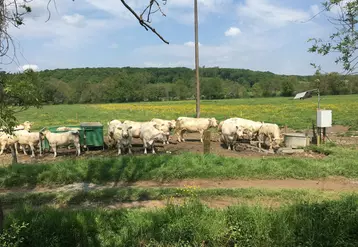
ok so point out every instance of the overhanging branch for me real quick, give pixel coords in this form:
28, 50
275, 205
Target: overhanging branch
140, 18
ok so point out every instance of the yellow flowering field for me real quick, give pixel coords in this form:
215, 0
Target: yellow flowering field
296, 114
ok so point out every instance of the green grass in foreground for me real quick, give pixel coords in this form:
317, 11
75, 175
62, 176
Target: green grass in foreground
330, 223
103, 197
297, 114
341, 162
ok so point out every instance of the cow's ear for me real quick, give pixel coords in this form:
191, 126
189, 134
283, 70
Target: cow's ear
162, 124
130, 127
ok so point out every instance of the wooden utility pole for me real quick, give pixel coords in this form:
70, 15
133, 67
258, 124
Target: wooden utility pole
197, 59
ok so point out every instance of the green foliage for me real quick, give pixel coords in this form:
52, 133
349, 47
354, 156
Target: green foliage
341, 162
111, 85
17, 93
12, 236
344, 40
330, 223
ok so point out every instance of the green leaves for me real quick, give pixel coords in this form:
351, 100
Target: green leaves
18, 93
344, 41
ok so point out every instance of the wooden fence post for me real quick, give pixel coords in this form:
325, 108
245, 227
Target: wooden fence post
206, 141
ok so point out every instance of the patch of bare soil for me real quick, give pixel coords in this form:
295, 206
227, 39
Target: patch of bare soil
338, 184
335, 129
332, 184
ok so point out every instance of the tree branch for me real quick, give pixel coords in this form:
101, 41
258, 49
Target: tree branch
141, 21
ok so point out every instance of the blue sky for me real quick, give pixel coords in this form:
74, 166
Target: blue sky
265, 35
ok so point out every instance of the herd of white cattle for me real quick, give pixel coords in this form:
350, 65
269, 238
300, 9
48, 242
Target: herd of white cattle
120, 134
230, 130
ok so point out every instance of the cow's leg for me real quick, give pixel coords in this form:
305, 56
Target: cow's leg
168, 136
145, 146
182, 135
119, 149
259, 137
54, 148
152, 146
130, 149
23, 148
178, 133
227, 142
201, 135
78, 147
32, 149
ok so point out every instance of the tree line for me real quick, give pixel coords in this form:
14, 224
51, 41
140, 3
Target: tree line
112, 85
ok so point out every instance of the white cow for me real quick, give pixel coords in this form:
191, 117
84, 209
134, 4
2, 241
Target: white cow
188, 124
149, 133
111, 126
28, 138
272, 131
249, 127
63, 139
230, 132
136, 127
7, 140
167, 126
123, 137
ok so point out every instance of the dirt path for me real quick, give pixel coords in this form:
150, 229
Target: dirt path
329, 184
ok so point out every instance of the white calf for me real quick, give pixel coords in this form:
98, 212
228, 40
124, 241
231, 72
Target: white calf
272, 131
166, 126
123, 136
149, 134
63, 139
187, 124
230, 132
28, 138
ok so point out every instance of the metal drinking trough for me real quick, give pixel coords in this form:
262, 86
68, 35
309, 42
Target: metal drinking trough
296, 140
93, 134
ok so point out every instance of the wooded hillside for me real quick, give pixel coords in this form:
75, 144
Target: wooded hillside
102, 85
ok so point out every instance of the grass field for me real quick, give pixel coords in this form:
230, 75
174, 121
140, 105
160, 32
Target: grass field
331, 223
222, 212
296, 114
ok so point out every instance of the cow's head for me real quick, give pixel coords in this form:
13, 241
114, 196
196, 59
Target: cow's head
162, 127
213, 122
27, 125
249, 133
239, 131
172, 124
278, 142
125, 130
44, 131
